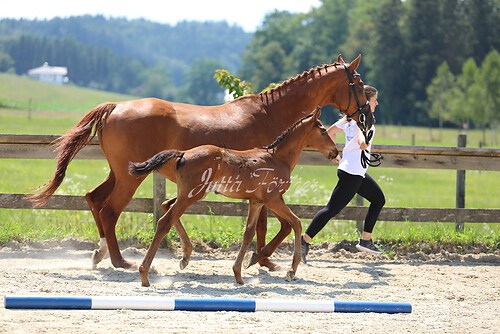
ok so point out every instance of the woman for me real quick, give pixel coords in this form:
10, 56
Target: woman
353, 179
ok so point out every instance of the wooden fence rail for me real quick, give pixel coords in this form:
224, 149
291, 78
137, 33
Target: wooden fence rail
459, 158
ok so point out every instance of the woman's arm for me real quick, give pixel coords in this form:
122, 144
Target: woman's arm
361, 140
332, 132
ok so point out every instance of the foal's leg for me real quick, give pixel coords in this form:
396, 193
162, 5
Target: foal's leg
162, 228
264, 261
280, 209
187, 247
253, 214
266, 251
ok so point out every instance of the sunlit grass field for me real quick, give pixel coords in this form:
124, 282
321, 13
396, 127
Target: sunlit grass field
55, 109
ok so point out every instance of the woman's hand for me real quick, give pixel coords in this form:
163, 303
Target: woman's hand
336, 160
363, 146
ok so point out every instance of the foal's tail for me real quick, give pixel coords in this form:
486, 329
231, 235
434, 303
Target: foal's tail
68, 145
154, 163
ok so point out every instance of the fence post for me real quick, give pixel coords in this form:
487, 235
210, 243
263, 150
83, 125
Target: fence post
460, 195
159, 195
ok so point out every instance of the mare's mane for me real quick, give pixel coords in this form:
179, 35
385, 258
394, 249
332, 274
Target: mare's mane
280, 90
287, 131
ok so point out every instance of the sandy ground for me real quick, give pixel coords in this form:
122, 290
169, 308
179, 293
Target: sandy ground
449, 293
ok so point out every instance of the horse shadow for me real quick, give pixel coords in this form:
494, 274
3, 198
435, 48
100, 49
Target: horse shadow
257, 282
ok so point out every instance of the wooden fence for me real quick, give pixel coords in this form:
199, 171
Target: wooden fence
459, 158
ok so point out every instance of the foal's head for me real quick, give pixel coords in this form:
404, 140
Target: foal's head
318, 137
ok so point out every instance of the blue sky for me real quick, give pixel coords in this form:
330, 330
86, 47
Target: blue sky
248, 15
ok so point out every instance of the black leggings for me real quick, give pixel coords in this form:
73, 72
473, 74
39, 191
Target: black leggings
347, 186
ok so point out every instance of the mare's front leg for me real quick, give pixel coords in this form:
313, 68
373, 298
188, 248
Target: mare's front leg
187, 247
263, 260
253, 214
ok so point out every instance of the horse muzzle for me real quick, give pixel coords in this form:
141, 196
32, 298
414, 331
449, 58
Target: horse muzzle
333, 154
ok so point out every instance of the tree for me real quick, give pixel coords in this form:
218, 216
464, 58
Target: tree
472, 95
234, 85
6, 62
440, 94
466, 103
200, 86
155, 83
385, 58
328, 29
488, 86
267, 58
482, 21
362, 35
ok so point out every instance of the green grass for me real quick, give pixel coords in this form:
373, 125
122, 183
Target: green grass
55, 109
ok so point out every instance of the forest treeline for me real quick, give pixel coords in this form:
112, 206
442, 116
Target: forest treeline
135, 57
422, 55
402, 43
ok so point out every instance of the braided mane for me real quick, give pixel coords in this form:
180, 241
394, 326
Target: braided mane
287, 131
279, 89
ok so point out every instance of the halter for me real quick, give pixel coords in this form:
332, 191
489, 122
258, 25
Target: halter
367, 158
362, 115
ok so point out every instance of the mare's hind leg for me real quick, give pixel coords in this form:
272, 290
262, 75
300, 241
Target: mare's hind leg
264, 261
119, 198
96, 199
187, 247
253, 215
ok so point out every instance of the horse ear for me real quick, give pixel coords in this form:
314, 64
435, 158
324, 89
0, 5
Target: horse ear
340, 60
354, 64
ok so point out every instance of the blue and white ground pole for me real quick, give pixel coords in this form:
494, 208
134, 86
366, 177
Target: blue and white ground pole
200, 304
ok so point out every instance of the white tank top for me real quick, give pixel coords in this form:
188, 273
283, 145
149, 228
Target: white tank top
351, 155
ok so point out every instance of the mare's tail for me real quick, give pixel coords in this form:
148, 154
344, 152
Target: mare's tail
154, 163
68, 145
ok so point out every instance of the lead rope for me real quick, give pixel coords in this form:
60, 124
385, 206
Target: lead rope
368, 158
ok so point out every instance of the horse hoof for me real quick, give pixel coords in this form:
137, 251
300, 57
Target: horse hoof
183, 264
249, 260
125, 265
96, 258
143, 272
290, 275
265, 262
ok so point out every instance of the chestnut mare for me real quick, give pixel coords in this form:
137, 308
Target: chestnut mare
259, 175
138, 129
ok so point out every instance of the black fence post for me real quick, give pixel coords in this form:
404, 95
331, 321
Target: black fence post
460, 195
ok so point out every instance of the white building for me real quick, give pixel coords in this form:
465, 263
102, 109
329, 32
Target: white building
52, 74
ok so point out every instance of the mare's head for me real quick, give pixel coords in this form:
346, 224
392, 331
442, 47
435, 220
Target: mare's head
351, 100
318, 137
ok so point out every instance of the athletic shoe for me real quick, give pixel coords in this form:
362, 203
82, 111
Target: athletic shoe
367, 246
304, 249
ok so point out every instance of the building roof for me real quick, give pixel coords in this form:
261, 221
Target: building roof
46, 69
